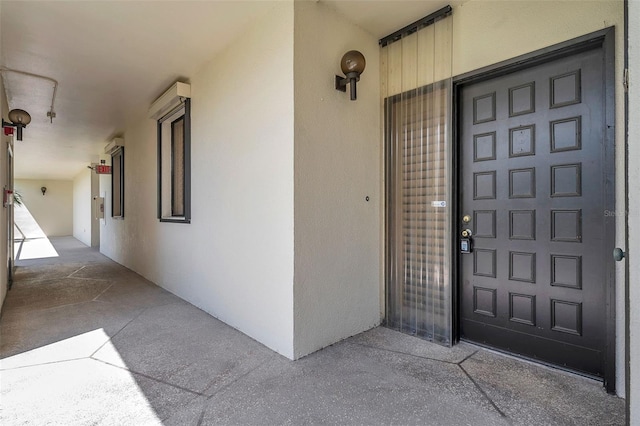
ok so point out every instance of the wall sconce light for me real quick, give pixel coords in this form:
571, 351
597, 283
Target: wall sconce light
19, 119
43, 189
352, 65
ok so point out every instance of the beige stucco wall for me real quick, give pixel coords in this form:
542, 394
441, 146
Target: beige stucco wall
337, 165
53, 211
235, 259
490, 31
82, 206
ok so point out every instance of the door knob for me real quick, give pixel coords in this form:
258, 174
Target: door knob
618, 254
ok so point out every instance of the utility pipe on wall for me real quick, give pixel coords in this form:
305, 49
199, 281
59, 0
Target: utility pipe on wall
51, 114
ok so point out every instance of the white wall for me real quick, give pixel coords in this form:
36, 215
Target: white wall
337, 165
95, 222
634, 211
82, 203
235, 259
54, 210
489, 31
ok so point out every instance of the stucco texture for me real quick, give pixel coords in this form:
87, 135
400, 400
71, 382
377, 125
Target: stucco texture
337, 166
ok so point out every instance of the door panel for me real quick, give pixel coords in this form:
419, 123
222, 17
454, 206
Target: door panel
532, 161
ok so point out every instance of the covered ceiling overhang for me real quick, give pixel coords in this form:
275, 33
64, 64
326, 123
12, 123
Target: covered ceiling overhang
113, 58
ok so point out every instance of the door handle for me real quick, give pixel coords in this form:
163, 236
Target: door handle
618, 254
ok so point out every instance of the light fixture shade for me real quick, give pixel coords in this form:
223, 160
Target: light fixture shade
353, 61
19, 116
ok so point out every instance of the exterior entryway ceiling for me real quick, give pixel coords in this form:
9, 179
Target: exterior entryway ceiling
383, 17
112, 59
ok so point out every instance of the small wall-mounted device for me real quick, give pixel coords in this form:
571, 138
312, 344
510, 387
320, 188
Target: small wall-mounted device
7, 197
43, 190
98, 203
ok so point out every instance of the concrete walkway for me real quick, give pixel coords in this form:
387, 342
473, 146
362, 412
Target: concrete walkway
87, 341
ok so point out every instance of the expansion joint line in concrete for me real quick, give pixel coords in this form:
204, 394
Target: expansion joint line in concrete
457, 363
137, 372
102, 292
119, 331
467, 357
60, 361
201, 418
413, 355
223, 388
77, 270
196, 393
493, 404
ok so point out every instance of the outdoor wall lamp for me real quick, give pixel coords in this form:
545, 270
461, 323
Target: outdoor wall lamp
19, 119
352, 65
43, 189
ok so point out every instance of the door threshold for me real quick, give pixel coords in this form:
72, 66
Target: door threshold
536, 362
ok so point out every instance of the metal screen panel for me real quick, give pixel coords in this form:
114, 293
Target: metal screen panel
416, 88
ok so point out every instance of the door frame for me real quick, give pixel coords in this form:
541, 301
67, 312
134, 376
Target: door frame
604, 39
10, 216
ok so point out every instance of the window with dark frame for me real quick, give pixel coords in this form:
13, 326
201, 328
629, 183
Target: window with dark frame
117, 183
177, 167
174, 165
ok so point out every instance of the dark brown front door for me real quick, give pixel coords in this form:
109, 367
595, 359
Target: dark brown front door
533, 190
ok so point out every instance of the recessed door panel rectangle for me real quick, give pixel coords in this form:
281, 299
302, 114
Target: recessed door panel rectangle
522, 99
522, 266
522, 224
522, 183
566, 271
484, 262
484, 301
522, 308
485, 223
566, 317
566, 225
484, 185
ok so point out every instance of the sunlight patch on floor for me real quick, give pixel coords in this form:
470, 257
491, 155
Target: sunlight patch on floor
80, 346
39, 248
61, 375
30, 241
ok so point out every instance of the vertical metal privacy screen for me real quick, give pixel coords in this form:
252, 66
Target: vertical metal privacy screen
416, 87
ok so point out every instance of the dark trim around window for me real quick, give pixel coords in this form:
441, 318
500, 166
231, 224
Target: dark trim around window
174, 164
119, 157
186, 218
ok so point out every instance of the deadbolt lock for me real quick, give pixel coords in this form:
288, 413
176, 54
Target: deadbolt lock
466, 218
466, 233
